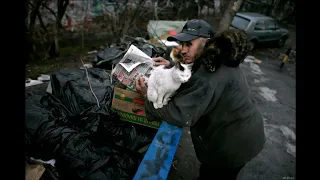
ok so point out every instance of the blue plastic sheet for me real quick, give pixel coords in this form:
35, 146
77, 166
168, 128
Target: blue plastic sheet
157, 161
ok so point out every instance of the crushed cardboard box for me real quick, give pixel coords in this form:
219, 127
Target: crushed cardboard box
130, 106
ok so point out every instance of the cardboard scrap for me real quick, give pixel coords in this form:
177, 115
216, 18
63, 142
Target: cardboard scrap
130, 106
34, 171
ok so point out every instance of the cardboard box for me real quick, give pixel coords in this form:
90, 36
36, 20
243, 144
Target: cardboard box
130, 106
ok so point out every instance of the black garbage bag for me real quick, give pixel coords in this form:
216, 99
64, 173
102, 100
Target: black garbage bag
86, 137
109, 56
112, 55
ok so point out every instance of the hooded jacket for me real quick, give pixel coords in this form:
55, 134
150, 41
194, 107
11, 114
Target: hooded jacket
226, 127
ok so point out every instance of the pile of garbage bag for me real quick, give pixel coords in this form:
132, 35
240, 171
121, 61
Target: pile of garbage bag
111, 55
71, 120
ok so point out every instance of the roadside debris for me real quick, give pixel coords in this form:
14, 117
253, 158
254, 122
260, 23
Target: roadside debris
93, 52
87, 142
51, 162
110, 56
87, 65
44, 78
41, 79
30, 82
252, 59
174, 164
73, 123
33, 171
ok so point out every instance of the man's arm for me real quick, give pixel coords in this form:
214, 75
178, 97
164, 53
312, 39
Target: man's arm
186, 107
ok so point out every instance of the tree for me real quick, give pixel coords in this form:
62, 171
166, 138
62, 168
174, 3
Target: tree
229, 13
270, 7
62, 7
53, 37
33, 9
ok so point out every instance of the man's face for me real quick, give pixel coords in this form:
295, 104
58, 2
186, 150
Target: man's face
192, 50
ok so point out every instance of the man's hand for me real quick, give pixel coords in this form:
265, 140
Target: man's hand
160, 61
141, 86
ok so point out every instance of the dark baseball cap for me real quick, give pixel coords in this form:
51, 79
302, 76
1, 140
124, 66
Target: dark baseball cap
193, 29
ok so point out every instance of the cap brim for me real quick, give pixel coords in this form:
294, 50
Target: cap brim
182, 37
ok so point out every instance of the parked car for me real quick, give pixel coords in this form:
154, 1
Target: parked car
260, 28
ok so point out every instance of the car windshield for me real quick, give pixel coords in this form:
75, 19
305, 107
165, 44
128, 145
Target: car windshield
240, 22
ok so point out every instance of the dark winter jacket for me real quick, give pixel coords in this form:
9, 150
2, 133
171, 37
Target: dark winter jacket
226, 127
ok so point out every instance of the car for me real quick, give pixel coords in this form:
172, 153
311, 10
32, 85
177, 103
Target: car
260, 28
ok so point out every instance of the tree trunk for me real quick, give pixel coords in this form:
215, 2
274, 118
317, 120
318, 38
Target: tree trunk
233, 8
128, 23
56, 40
122, 19
223, 6
35, 6
270, 7
33, 14
156, 10
290, 18
62, 7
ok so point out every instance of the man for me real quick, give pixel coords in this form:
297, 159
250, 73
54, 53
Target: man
226, 128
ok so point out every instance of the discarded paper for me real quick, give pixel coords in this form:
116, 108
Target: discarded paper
135, 62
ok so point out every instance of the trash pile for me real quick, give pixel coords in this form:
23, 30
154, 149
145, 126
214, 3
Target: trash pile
110, 56
86, 138
69, 120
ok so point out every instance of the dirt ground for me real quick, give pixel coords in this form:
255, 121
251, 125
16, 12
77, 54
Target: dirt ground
35, 69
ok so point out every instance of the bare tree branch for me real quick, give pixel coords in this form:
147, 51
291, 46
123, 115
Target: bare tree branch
41, 22
131, 20
123, 15
33, 14
62, 6
49, 9
38, 15
156, 10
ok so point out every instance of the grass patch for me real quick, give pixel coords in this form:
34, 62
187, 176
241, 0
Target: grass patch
69, 59
67, 51
34, 71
